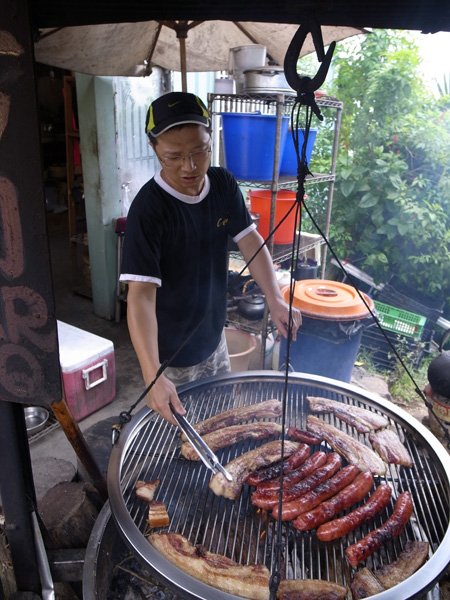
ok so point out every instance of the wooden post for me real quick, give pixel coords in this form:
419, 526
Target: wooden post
76, 439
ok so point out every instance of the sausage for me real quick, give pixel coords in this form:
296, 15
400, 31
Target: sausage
289, 464
300, 435
351, 494
340, 527
393, 527
325, 490
269, 500
317, 459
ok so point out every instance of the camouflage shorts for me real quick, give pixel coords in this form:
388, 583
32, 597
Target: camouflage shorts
216, 364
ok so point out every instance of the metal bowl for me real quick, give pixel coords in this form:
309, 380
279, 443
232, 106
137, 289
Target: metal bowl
36, 418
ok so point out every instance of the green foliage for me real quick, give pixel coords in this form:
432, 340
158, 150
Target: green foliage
391, 211
401, 386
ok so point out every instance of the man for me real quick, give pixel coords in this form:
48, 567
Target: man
175, 255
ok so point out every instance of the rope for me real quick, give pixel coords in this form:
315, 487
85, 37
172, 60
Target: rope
302, 172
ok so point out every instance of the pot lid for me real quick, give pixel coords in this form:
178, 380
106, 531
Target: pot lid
269, 70
326, 299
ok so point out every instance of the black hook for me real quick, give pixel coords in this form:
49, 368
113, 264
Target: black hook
306, 86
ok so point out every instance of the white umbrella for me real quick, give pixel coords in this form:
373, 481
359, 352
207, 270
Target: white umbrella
124, 48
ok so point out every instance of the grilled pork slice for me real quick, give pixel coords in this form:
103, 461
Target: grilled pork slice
158, 515
310, 589
351, 449
410, 560
361, 419
240, 467
388, 445
231, 435
367, 583
249, 581
145, 490
263, 410
364, 584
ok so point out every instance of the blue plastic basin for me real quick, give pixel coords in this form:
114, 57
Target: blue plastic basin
249, 144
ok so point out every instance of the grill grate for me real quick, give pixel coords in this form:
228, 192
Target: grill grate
149, 448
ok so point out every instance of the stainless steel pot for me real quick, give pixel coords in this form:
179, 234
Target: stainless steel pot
265, 79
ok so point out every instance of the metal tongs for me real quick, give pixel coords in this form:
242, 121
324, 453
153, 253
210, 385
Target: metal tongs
203, 450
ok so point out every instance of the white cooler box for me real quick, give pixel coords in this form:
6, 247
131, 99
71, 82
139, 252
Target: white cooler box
88, 370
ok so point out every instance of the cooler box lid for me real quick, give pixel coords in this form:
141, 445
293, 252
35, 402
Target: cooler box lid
77, 347
327, 299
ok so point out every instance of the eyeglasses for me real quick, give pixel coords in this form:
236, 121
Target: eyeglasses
192, 157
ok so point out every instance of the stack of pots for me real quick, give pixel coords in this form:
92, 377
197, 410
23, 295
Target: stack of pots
242, 58
270, 79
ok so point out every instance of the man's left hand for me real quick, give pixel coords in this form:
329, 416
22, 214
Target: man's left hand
279, 313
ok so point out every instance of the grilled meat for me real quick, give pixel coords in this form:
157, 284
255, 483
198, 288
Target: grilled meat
410, 560
231, 435
388, 445
249, 581
353, 493
158, 515
351, 449
241, 466
342, 526
317, 459
145, 490
288, 465
310, 589
268, 500
263, 410
361, 419
299, 435
367, 583
310, 500
364, 584
393, 527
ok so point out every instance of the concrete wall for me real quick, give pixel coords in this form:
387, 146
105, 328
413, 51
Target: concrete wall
101, 186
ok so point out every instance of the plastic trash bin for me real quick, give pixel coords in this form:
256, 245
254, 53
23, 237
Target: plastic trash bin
334, 317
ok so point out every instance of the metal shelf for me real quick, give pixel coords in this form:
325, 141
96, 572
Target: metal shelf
287, 183
279, 104
288, 99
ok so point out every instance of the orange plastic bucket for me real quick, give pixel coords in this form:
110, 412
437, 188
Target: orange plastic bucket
260, 203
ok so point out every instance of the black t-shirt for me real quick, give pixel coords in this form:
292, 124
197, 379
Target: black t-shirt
180, 243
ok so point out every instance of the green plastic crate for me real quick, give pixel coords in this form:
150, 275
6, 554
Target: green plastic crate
400, 321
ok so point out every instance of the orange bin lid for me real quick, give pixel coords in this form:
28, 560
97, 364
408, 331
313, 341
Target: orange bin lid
326, 299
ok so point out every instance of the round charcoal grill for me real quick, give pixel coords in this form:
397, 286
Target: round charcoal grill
148, 448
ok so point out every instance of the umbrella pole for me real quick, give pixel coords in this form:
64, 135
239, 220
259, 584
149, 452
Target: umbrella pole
182, 39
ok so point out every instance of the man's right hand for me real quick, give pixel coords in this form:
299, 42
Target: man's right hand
161, 396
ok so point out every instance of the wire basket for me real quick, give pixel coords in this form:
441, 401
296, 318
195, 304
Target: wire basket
397, 320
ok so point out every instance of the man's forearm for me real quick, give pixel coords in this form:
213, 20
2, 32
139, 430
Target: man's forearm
143, 329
